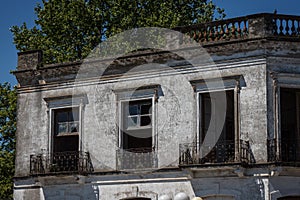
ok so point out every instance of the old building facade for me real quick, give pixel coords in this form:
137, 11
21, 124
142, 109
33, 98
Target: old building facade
215, 120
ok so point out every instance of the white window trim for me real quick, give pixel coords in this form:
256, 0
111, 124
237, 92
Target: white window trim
52, 122
199, 89
55, 103
281, 80
153, 120
146, 93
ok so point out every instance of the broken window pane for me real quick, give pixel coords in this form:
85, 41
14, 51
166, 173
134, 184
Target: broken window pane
137, 129
139, 113
145, 120
132, 121
74, 127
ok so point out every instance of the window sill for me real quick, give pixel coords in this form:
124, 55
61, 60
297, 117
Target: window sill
67, 134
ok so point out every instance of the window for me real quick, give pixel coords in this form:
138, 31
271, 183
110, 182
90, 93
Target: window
64, 152
65, 156
137, 125
209, 112
66, 121
139, 114
137, 142
66, 129
290, 124
218, 134
217, 120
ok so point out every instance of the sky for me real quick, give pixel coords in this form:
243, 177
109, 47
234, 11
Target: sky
15, 12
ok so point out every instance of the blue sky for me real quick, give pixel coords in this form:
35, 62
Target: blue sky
15, 12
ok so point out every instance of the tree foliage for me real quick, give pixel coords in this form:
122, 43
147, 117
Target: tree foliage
67, 30
8, 107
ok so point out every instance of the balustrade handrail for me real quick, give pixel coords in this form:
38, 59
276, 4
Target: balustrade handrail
185, 29
276, 25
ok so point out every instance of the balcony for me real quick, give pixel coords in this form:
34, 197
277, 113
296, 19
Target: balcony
61, 162
224, 152
136, 159
285, 152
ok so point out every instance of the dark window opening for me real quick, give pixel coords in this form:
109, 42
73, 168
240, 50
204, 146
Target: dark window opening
66, 127
138, 114
222, 147
137, 125
290, 124
65, 155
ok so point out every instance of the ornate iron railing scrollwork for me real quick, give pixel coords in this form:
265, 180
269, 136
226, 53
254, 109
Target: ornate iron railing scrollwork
59, 162
221, 153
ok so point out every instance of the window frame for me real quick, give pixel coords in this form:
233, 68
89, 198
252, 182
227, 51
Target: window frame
53, 131
134, 94
121, 122
280, 135
278, 81
65, 102
199, 109
138, 115
234, 83
69, 110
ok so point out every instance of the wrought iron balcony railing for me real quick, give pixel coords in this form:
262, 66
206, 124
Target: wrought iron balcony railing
137, 158
286, 152
221, 153
60, 162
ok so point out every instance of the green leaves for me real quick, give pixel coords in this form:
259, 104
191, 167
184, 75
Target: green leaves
8, 109
69, 30
6, 175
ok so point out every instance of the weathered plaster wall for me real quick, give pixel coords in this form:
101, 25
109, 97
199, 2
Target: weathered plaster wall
245, 188
176, 118
175, 123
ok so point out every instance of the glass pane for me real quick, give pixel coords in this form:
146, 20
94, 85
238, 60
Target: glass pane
133, 109
132, 121
146, 109
62, 127
62, 116
74, 127
74, 114
146, 120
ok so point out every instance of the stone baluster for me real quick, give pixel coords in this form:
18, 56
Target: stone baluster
287, 28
